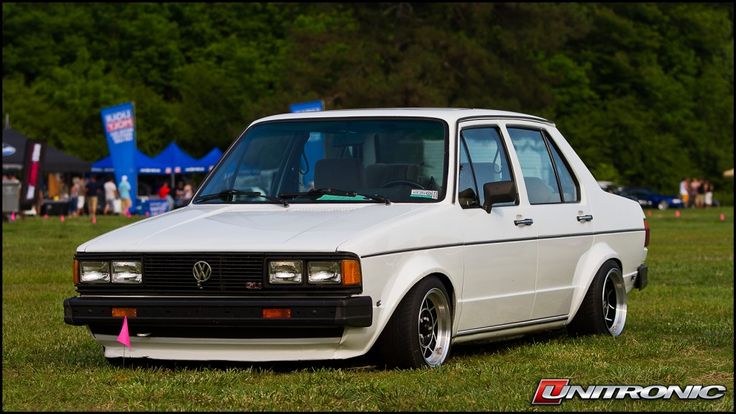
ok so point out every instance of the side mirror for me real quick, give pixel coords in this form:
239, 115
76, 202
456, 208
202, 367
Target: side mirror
498, 192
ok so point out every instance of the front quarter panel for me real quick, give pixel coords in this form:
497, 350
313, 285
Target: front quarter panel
388, 278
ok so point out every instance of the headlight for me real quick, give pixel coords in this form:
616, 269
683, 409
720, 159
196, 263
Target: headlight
94, 272
127, 272
325, 272
285, 272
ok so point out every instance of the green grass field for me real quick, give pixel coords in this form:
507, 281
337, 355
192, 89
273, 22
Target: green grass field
679, 331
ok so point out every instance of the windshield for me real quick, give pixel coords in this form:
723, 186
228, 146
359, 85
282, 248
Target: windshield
345, 160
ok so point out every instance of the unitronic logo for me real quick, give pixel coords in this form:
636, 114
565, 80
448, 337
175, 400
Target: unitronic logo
553, 391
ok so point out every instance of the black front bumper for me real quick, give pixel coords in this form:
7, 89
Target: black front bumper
641, 277
219, 312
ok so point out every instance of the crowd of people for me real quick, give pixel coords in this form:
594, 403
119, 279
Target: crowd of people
93, 193
696, 192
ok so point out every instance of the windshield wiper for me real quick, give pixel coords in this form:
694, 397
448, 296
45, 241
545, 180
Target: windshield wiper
316, 192
229, 196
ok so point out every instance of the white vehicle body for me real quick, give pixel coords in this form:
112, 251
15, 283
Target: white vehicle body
502, 278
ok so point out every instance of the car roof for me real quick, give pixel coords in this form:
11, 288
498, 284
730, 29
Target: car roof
451, 115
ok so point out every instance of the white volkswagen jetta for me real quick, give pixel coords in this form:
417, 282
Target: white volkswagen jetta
322, 235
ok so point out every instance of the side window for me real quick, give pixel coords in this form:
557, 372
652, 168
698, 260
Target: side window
568, 183
483, 160
536, 165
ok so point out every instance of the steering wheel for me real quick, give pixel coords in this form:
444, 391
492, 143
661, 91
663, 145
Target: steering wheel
407, 182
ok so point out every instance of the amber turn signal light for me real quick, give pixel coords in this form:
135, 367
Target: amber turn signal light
75, 272
276, 313
351, 272
121, 312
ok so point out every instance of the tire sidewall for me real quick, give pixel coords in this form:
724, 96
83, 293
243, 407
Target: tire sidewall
597, 286
400, 338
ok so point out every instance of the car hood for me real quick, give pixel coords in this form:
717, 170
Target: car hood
298, 228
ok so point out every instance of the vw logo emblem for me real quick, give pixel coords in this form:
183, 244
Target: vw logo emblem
202, 272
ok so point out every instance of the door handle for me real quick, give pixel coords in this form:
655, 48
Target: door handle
524, 222
586, 217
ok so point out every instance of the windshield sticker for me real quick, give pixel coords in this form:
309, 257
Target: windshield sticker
424, 194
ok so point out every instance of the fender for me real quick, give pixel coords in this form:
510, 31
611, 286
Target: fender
586, 270
409, 270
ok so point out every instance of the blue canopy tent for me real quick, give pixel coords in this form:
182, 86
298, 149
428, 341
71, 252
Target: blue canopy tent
175, 160
207, 162
144, 163
172, 160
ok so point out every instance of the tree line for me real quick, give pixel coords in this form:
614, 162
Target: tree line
643, 92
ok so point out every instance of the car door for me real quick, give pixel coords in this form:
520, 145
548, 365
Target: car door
562, 216
499, 254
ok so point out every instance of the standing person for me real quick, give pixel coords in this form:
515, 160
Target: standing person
708, 194
691, 192
81, 198
188, 192
74, 197
179, 190
110, 195
684, 194
124, 190
179, 194
91, 195
700, 194
165, 193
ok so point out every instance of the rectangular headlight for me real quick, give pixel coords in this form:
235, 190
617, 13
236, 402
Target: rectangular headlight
284, 272
127, 272
325, 272
94, 272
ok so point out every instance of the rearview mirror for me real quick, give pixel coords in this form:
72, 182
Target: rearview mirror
498, 192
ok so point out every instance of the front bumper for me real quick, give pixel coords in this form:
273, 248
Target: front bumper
173, 313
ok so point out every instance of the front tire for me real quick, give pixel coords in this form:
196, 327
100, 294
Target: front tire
663, 205
603, 310
419, 332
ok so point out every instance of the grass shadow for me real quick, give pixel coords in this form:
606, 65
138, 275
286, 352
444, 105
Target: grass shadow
368, 362
500, 346
365, 362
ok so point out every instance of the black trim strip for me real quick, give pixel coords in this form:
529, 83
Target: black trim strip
442, 246
236, 313
511, 325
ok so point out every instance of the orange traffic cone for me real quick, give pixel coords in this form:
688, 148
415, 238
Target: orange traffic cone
677, 213
649, 213
12, 216
45, 216
94, 220
61, 218
723, 217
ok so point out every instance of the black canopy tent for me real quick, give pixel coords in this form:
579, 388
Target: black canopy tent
55, 161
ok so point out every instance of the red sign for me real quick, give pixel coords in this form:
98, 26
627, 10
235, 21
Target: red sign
32, 168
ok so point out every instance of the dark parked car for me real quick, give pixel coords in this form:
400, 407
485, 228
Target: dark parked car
650, 198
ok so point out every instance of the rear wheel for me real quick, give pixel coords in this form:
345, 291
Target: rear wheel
604, 307
419, 332
663, 205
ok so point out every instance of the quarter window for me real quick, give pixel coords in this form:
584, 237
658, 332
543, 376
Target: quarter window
570, 192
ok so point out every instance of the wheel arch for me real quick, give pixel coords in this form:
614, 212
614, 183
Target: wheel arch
585, 272
413, 270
